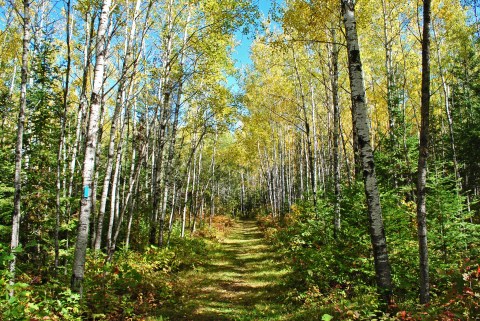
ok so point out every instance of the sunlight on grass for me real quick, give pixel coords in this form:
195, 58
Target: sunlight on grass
240, 280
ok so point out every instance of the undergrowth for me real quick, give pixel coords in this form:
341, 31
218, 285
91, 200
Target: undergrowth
132, 285
333, 279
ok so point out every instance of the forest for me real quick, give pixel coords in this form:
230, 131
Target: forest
150, 173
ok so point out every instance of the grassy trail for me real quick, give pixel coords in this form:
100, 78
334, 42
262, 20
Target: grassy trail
241, 280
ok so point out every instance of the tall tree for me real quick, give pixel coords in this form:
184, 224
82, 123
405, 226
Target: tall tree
127, 72
357, 87
19, 145
336, 134
422, 157
90, 150
63, 121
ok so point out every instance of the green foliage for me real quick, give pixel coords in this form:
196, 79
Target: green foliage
33, 296
466, 113
333, 279
124, 286
313, 254
6, 209
135, 283
132, 284
336, 277
396, 165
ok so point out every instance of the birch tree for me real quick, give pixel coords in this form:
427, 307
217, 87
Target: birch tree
377, 231
90, 150
19, 145
126, 74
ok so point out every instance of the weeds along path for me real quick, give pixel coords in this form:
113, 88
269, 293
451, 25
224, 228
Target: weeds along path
241, 280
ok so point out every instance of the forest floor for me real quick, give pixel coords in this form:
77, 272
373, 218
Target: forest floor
241, 279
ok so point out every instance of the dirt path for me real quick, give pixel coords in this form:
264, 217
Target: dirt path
242, 280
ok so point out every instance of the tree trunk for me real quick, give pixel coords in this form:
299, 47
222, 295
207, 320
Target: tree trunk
164, 97
314, 143
195, 189
132, 171
446, 97
242, 194
120, 100
61, 144
336, 133
173, 133
172, 212
310, 156
212, 194
19, 145
90, 148
89, 30
392, 100
377, 232
12, 83
184, 214
108, 174
114, 215
422, 158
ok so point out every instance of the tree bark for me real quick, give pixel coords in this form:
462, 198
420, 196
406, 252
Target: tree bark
184, 214
392, 100
377, 232
196, 188
172, 212
422, 158
19, 145
132, 171
89, 30
242, 195
114, 199
446, 97
336, 133
165, 92
90, 148
61, 144
120, 100
173, 132
310, 152
212, 170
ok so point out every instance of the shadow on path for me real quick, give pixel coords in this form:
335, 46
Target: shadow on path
242, 280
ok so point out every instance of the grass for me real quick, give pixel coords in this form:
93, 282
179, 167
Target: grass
242, 280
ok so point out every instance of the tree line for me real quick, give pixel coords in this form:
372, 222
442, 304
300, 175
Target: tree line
343, 91
123, 116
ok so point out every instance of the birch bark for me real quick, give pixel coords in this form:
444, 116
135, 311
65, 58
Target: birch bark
61, 144
336, 133
90, 148
377, 232
122, 85
19, 145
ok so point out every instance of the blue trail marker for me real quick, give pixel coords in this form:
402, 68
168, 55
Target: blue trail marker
86, 191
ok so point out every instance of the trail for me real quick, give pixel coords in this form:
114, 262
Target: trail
242, 280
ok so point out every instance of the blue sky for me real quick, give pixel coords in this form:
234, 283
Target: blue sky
242, 51
241, 54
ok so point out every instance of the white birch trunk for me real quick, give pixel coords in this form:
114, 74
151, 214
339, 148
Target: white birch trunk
61, 145
91, 144
184, 214
336, 133
377, 232
19, 145
120, 100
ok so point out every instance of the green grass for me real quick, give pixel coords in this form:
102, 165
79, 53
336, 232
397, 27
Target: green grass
242, 280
